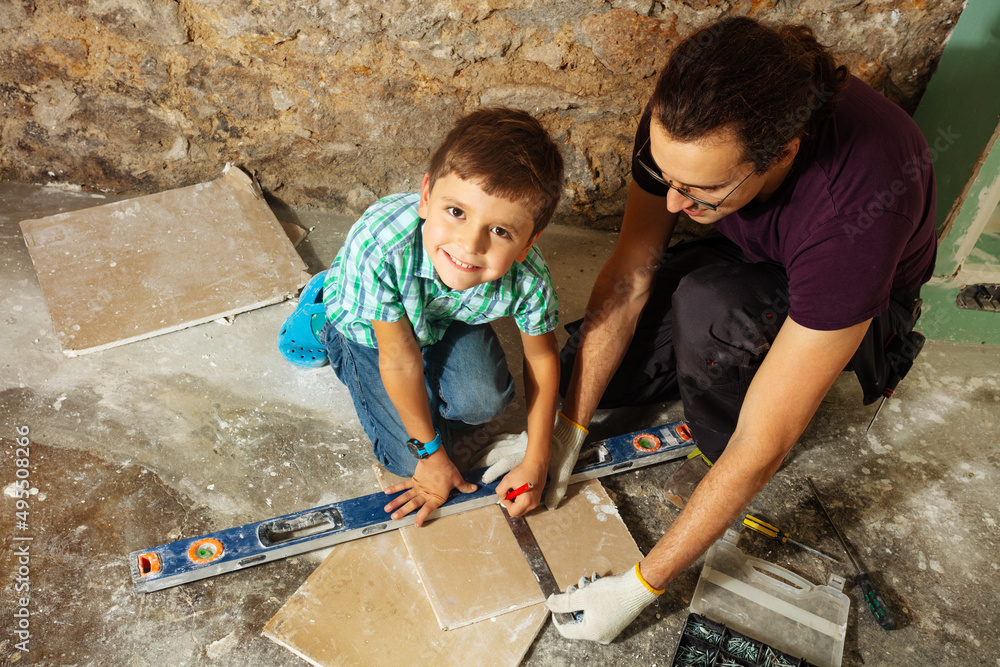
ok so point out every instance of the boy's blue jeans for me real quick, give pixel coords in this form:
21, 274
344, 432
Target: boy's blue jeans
466, 376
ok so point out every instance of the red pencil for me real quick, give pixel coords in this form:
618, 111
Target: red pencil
514, 493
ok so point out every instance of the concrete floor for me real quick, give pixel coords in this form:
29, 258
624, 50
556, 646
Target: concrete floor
208, 428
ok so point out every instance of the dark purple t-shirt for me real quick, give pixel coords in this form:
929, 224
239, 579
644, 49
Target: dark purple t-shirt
852, 223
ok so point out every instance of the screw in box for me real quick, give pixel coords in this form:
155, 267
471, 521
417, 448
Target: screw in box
694, 657
701, 631
742, 648
772, 659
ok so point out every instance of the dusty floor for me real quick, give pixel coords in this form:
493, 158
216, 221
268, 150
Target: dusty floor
209, 428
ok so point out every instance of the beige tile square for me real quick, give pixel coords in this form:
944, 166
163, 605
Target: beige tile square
138, 268
364, 605
472, 568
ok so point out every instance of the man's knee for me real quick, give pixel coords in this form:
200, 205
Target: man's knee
728, 314
703, 306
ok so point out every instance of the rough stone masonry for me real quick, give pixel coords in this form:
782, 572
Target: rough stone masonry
338, 102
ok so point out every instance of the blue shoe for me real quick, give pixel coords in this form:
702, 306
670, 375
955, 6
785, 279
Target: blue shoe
298, 340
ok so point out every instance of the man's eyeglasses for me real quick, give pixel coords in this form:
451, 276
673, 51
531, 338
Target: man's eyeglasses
655, 173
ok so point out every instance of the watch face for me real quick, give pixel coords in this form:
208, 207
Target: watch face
416, 448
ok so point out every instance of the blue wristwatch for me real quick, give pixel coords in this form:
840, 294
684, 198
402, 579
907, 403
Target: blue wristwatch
424, 449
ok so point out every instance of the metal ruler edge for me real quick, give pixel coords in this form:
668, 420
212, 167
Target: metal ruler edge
251, 544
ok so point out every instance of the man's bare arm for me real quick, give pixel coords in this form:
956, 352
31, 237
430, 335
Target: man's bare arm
797, 372
619, 295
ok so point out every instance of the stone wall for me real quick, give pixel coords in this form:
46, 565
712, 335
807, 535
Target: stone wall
338, 102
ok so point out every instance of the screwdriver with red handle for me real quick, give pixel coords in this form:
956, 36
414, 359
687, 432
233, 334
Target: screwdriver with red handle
900, 352
874, 600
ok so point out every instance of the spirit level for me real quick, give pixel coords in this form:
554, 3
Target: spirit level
237, 548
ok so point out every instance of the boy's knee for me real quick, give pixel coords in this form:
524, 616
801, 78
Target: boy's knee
395, 458
479, 403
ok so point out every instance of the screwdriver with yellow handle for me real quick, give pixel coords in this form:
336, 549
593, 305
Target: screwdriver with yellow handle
775, 533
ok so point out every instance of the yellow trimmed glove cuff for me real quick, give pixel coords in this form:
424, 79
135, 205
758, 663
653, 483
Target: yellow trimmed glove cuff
567, 438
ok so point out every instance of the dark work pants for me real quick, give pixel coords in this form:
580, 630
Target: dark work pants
709, 322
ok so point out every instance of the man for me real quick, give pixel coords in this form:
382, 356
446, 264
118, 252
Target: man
824, 195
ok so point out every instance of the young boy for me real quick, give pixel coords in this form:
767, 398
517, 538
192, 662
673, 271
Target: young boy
409, 297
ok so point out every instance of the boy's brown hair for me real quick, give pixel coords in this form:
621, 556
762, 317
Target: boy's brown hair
508, 154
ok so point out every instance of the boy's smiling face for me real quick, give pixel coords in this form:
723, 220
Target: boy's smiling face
470, 236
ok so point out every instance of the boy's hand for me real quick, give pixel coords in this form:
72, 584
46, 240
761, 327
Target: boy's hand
429, 487
528, 472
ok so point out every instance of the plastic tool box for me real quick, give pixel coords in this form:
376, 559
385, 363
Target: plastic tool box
749, 612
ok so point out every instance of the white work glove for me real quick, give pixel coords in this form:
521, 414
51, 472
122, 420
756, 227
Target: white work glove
608, 605
567, 438
502, 456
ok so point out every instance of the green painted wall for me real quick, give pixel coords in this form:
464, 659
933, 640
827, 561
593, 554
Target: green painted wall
952, 245
942, 319
958, 115
960, 107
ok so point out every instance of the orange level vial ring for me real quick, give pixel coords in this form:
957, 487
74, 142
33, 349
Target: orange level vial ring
205, 550
646, 442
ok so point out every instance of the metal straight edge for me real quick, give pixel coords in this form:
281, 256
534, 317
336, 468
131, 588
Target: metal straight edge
233, 549
536, 559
